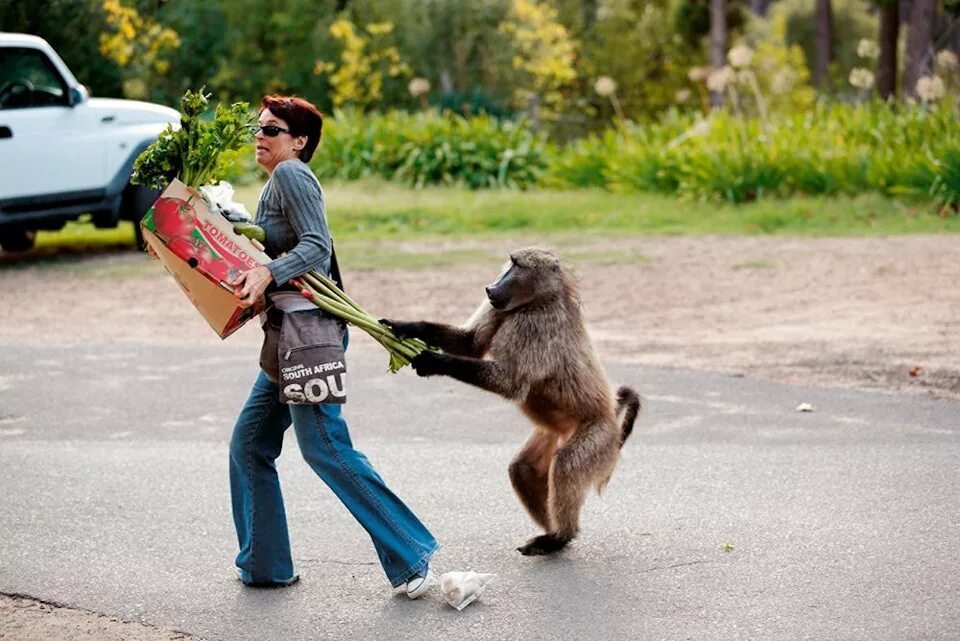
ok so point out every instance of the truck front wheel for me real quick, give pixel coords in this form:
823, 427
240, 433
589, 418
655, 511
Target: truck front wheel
135, 203
17, 239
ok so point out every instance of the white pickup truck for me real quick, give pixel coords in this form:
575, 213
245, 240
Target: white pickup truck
62, 153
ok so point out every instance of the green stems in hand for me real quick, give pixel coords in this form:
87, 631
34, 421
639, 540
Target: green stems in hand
327, 296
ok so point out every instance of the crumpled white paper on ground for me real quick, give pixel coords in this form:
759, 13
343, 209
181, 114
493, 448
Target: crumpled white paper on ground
460, 589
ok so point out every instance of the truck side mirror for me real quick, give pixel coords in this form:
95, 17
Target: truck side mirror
78, 94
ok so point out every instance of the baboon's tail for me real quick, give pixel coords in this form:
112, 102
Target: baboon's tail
628, 406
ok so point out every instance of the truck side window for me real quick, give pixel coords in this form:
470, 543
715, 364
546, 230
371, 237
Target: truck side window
28, 79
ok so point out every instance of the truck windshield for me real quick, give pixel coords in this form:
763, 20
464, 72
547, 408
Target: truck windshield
29, 79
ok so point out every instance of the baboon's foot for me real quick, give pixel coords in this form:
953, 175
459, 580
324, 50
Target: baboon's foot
544, 544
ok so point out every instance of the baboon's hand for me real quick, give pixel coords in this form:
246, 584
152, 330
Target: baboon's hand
401, 329
428, 363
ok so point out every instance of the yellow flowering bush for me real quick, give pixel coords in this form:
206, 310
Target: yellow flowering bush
544, 53
358, 77
137, 45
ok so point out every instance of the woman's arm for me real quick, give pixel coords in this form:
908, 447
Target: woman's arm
301, 201
302, 204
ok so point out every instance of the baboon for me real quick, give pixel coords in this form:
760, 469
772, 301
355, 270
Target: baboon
527, 342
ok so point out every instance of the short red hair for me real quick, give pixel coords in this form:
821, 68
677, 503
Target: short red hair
303, 118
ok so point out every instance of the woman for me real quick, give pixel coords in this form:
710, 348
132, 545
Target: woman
291, 211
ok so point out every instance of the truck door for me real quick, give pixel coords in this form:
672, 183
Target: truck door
46, 146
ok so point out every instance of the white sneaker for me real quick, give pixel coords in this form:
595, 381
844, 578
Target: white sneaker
418, 585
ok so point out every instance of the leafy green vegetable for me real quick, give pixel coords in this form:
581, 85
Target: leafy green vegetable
191, 152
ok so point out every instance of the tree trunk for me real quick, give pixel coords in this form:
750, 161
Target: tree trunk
718, 42
824, 45
946, 29
589, 14
760, 6
533, 112
460, 54
446, 81
887, 62
918, 56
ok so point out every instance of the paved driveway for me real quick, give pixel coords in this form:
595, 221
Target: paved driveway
731, 516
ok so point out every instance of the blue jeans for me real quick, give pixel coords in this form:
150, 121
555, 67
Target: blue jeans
403, 543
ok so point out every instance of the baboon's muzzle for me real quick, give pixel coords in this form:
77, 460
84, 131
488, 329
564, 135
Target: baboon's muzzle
500, 291
496, 297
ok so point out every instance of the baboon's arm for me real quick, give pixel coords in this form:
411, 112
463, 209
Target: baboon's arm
485, 374
453, 340
473, 339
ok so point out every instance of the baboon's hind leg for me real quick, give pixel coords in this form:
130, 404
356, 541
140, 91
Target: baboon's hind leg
529, 475
587, 456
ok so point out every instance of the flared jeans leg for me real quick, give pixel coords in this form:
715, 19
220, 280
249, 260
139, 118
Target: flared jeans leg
403, 544
258, 512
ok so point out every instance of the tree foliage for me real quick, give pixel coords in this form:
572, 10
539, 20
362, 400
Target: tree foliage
782, 71
67, 25
544, 53
480, 56
357, 79
853, 21
635, 44
138, 45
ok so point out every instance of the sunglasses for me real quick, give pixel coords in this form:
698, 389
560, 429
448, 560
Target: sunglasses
270, 131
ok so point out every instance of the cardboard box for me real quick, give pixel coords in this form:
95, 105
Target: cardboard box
202, 252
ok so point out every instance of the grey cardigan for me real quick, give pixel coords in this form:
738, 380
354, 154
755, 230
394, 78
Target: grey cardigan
292, 214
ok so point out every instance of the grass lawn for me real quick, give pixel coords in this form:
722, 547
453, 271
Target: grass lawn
376, 210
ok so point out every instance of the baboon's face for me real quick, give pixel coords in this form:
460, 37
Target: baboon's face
525, 278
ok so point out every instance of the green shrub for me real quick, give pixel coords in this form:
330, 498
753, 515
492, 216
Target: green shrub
418, 149
583, 163
831, 148
427, 149
946, 183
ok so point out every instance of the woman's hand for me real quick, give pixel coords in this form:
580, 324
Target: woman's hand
249, 286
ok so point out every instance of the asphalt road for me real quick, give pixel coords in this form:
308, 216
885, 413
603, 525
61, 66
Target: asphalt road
731, 516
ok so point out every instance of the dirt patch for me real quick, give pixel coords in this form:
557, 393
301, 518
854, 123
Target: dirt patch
872, 313
24, 619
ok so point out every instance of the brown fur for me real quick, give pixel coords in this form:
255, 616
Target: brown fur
528, 342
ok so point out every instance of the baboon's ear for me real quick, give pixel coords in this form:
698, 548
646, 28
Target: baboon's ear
555, 264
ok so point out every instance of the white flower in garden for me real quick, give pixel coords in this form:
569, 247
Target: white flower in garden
861, 78
702, 128
418, 87
766, 64
135, 88
782, 82
867, 48
937, 89
947, 60
698, 74
719, 78
740, 56
682, 96
605, 86
930, 88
